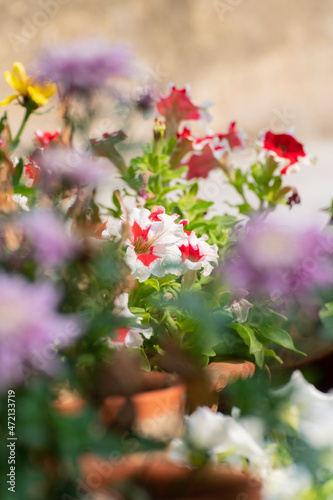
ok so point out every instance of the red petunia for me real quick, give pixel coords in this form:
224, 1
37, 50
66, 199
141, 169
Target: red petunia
176, 107
284, 146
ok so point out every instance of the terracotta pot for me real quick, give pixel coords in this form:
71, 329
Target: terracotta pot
223, 373
158, 410
163, 479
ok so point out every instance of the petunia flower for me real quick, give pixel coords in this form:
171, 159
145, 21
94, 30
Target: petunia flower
285, 150
131, 337
28, 87
197, 253
158, 244
31, 175
309, 411
152, 244
31, 329
177, 107
205, 153
217, 437
43, 139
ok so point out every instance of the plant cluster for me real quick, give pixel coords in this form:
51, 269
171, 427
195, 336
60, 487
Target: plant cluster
153, 268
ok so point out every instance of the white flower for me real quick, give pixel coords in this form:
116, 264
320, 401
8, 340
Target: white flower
131, 337
240, 309
204, 429
309, 411
220, 437
288, 483
22, 201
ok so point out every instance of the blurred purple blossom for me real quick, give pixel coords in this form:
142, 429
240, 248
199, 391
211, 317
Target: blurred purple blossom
278, 261
85, 65
70, 165
49, 237
31, 329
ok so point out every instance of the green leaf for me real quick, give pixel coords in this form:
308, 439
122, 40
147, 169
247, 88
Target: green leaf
281, 194
105, 146
201, 205
153, 283
3, 122
208, 351
260, 357
167, 279
272, 354
249, 337
17, 173
137, 310
194, 189
280, 337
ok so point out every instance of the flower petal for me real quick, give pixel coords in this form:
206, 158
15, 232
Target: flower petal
8, 99
15, 83
37, 96
49, 89
18, 72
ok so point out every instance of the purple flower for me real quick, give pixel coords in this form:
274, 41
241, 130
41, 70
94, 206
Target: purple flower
278, 261
31, 329
49, 237
75, 167
85, 65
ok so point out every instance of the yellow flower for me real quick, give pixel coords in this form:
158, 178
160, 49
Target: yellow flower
27, 86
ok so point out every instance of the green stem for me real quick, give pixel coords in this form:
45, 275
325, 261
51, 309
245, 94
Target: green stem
16, 141
189, 279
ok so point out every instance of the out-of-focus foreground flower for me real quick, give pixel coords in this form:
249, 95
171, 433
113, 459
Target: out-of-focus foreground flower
49, 237
218, 437
82, 66
309, 411
31, 329
272, 259
71, 166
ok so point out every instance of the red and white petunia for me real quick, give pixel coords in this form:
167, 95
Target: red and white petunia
197, 253
204, 153
159, 245
31, 173
43, 139
152, 245
177, 107
285, 150
132, 337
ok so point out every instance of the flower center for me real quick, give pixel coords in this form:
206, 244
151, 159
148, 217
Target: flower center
142, 245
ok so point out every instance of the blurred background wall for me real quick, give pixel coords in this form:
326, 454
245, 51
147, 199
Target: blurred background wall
265, 63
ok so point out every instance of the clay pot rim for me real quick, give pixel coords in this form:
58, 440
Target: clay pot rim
148, 393
171, 381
